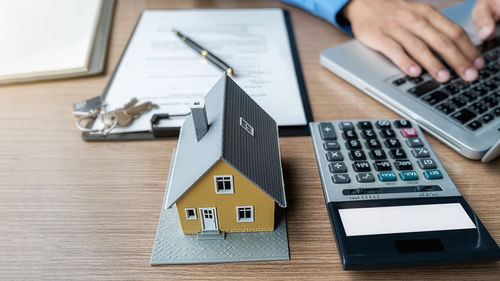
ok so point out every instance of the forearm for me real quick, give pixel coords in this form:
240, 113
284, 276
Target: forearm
329, 10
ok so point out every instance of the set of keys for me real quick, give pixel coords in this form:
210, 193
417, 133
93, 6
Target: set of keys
120, 117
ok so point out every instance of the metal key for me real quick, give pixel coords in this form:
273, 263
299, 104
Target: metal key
124, 116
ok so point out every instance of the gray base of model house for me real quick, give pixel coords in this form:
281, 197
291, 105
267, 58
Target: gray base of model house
173, 247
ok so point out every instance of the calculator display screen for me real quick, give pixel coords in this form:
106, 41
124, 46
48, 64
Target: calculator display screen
404, 219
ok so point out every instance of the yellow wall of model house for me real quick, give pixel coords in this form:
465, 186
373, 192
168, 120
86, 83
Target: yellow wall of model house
203, 194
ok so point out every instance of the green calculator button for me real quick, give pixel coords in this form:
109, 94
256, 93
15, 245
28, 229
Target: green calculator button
433, 174
408, 176
387, 176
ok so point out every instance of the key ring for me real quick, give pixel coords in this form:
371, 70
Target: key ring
92, 115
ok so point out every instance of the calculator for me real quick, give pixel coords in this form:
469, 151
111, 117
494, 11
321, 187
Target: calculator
390, 200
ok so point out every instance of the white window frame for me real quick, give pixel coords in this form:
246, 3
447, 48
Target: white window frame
252, 214
230, 191
245, 125
194, 217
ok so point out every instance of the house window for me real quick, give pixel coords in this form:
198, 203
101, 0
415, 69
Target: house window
244, 213
223, 184
245, 125
190, 213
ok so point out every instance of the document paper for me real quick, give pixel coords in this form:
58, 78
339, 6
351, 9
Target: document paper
159, 67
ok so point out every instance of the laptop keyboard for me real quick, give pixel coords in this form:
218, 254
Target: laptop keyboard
470, 104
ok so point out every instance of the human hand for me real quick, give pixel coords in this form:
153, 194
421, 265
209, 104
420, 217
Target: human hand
408, 33
485, 14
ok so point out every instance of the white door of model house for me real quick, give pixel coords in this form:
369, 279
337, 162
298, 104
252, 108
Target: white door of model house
208, 218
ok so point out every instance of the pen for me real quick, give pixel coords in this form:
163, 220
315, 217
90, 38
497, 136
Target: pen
206, 54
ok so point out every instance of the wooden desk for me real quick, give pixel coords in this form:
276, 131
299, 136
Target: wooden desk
76, 210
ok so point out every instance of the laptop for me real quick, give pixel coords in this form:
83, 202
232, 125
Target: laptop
464, 116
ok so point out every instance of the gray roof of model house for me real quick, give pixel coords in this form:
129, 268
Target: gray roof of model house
256, 157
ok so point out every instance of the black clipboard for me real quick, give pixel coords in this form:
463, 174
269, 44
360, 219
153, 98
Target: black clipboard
157, 132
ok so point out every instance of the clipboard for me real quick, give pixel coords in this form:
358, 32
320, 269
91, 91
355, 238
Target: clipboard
159, 132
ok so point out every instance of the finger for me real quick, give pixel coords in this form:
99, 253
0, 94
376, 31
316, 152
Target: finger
419, 51
445, 47
395, 53
454, 31
483, 16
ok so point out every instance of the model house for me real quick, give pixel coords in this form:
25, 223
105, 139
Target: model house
226, 172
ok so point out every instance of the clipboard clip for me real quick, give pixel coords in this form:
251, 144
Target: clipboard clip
163, 132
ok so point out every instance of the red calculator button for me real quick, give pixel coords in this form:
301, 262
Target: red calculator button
409, 132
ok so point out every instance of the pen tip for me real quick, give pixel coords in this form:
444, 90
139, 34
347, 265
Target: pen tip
230, 72
174, 31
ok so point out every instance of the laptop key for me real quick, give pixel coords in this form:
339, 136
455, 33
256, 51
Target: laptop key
463, 116
436, 97
497, 111
415, 80
489, 102
458, 102
399, 82
446, 108
478, 108
424, 88
451, 89
487, 118
474, 125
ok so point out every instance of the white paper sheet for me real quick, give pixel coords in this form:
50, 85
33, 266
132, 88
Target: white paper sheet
159, 67
404, 219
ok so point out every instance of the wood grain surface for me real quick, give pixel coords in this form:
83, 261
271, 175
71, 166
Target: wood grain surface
73, 210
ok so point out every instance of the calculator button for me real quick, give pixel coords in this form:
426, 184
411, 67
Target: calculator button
326, 130
403, 165
426, 164
387, 176
334, 156
365, 177
377, 154
341, 178
402, 124
420, 152
361, 166
408, 176
369, 134
409, 132
373, 143
387, 133
398, 153
338, 167
364, 125
357, 155
346, 125
353, 144
392, 143
331, 145
433, 174
350, 134
383, 124
414, 142
382, 165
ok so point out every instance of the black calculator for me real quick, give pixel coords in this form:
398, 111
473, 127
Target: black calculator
390, 200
